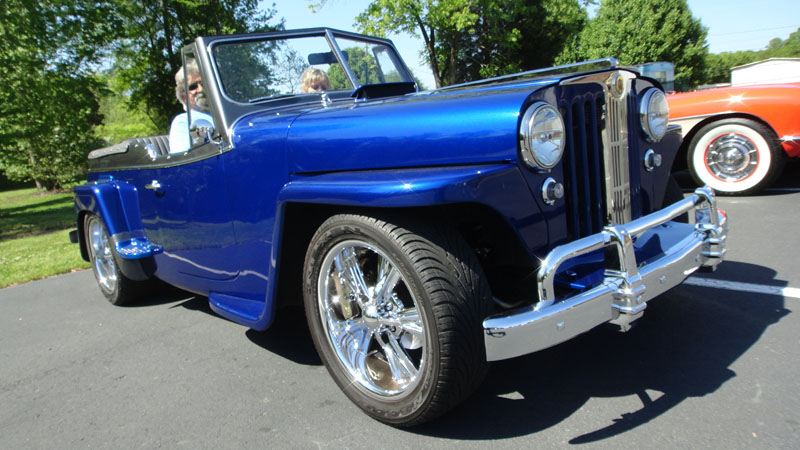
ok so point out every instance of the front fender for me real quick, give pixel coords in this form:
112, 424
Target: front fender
501, 187
399, 188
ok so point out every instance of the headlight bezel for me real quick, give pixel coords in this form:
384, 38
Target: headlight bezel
534, 150
653, 100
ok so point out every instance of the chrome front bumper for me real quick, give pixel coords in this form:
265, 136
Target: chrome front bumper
623, 294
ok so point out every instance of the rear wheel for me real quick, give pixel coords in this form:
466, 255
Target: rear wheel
735, 156
396, 315
115, 286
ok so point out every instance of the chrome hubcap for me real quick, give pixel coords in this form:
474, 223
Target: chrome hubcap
732, 157
371, 318
102, 257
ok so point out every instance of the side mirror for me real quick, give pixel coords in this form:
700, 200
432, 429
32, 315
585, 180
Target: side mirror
201, 131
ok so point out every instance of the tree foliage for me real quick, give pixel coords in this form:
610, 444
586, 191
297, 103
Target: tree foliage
47, 104
49, 51
789, 48
121, 120
718, 66
642, 31
147, 51
471, 39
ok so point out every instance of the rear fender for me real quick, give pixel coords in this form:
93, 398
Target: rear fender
116, 203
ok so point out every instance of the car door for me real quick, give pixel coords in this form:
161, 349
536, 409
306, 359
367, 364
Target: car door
192, 219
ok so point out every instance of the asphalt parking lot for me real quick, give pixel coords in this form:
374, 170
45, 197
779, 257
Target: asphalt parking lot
713, 364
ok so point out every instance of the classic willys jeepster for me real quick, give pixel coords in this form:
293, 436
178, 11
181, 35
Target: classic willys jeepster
427, 233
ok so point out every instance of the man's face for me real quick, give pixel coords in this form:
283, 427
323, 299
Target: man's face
197, 97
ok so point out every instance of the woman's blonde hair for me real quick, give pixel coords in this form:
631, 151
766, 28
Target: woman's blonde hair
313, 75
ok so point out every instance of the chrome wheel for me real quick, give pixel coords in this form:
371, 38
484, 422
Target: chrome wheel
371, 319
732, 157
101, 255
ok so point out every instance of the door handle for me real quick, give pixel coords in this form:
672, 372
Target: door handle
156, 187
153, 185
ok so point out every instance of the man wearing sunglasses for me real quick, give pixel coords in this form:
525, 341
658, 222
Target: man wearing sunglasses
195, 98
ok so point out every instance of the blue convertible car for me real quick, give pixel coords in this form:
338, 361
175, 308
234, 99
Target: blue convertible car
426, 232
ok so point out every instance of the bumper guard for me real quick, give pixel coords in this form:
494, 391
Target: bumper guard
623, 294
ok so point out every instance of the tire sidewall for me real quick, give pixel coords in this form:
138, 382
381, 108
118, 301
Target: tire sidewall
412, 404
706, 137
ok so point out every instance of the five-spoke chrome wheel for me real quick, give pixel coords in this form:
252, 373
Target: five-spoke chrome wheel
395, 312
371, 318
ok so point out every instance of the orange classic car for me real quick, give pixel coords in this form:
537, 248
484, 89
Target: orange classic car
736, 139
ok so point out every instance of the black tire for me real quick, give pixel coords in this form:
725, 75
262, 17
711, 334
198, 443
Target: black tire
735, 156
115, 286
421, 340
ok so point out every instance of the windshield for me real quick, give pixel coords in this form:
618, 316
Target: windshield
255, 70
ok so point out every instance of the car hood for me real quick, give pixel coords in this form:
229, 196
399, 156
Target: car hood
469, 125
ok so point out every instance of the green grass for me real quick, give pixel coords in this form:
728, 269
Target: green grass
38, 256
34, 241
26, 211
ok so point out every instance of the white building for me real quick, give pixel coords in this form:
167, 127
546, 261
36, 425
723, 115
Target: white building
772, 70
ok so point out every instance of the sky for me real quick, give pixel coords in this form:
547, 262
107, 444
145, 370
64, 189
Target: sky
733, 25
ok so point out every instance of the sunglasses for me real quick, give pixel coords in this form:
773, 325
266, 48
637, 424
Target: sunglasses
194, 86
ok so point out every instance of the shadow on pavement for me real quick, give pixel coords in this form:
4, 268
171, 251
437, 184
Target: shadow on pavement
288, 336
681, 348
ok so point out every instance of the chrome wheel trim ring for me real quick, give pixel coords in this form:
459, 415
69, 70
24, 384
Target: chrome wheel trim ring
102, 256
371, 320
732, 157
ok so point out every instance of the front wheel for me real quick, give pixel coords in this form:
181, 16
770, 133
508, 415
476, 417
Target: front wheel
396, 312
735, 156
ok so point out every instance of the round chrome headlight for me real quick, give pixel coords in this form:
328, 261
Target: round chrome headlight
542, 136
654, 114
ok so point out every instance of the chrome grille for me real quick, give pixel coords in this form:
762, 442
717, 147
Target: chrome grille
596, 167
618, 187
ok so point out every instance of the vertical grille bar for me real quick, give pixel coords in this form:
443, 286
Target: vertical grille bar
579, 111
570, 173
618, 190
597, 167
584, 164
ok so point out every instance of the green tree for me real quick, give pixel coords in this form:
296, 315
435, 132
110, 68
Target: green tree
641, 31
147, 52
47, 103
470, 39
718, 66
789, 48
121, 120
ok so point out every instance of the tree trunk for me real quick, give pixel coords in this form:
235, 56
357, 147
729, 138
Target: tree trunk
39, 186
431, 48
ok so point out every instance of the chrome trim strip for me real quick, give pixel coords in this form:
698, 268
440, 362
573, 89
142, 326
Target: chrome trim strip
700, 116
594, 64
622, 296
